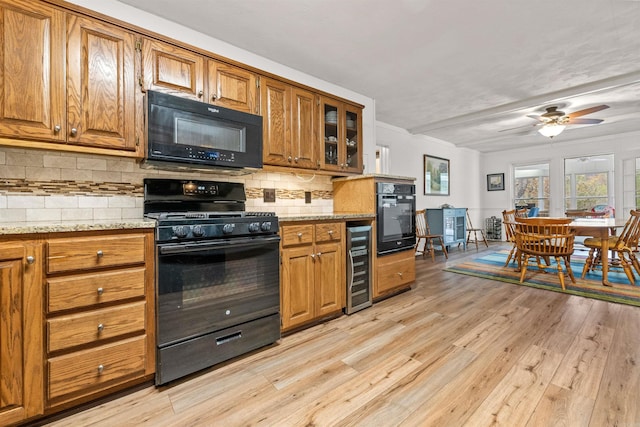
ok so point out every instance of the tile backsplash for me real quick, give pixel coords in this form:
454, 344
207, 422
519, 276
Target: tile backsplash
40, 185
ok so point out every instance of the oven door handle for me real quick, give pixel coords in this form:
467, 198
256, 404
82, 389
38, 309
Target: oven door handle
177, 248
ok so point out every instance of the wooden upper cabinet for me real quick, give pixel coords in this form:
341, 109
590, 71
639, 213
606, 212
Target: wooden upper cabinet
32, 71
172, 70
341, 136
231, 87
100, 84
275, 107
304, 129
290, 125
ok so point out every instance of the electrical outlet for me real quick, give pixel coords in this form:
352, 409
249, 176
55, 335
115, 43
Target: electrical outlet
269, 195
307, 196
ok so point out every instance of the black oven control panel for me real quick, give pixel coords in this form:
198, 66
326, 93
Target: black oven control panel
184, 230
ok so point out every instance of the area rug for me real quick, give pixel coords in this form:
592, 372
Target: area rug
491, 266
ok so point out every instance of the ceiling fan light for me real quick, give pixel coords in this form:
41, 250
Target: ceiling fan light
551, 130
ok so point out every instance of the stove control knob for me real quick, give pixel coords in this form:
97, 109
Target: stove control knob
254, 227
266, 226
228, 228
198, 231
181, 231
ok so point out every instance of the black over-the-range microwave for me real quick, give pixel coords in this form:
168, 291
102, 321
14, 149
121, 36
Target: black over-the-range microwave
187, 134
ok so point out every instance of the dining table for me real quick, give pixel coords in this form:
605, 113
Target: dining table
601, 228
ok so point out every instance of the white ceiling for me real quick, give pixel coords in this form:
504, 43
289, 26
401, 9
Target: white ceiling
458, 70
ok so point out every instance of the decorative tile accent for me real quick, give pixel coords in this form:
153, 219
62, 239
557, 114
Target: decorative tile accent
69, 187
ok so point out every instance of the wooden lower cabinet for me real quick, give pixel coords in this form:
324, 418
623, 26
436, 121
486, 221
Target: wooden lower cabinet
312, 272
99, 315
394, 272
21, 367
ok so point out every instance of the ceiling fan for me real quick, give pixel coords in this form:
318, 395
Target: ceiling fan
553, 122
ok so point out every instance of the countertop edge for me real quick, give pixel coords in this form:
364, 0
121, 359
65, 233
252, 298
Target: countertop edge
61, 227
325, 217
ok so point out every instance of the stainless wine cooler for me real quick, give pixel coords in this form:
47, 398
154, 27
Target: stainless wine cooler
359, 271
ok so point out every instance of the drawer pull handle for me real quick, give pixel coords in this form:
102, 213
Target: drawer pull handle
30, 259
100, 327
100, 291
400, 274
330, 232
319, 253
100, 254
299, 235
100, 369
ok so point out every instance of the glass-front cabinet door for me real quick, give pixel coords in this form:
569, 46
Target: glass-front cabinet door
341, 140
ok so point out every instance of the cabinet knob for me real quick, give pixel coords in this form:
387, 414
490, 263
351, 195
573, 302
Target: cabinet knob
214, 97
31, 259
400, 274
289, 158
100, 291
99, 254
330, 232
200, 94
299, 235
74, 131
318, 254
100, 369
313, 256
100, 327
295, 159
57, 128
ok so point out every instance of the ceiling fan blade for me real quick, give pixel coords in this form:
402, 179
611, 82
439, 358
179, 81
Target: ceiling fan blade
585, 121
535, 117
587, 111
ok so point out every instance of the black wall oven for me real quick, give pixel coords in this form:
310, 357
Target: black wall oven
396, 223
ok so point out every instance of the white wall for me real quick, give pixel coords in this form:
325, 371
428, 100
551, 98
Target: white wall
624, 147
406, 159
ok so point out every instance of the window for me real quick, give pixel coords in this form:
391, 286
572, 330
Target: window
588, 182
531, 186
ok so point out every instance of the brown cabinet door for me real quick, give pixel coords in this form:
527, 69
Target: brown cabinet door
332, 156
297, 289
329, 278
100, 85
32, 71
304, 129
353, 139
21, 375
275, 107
231, 87
172, 70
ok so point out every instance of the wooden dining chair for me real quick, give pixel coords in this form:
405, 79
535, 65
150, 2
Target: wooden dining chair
471, 229
545, 238
623, 245
509, 221
423, 234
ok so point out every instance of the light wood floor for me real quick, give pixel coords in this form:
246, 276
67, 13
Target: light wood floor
454, 351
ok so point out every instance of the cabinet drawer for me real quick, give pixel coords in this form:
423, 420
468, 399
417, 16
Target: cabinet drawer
66, 293
82, 328
89, 369
397, 272
296, 234
331, 232
82, 253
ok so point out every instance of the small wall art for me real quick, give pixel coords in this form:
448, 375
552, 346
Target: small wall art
436, 176
495, 182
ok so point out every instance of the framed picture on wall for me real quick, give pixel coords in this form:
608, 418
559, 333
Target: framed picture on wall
495, 182
436, 176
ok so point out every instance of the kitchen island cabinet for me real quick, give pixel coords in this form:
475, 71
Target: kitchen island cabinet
312, 276
21, 367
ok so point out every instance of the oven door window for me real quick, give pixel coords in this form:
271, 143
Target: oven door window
397, 217
205, 287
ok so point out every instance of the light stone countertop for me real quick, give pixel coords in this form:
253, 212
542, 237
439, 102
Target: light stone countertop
68, 226
325, 217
